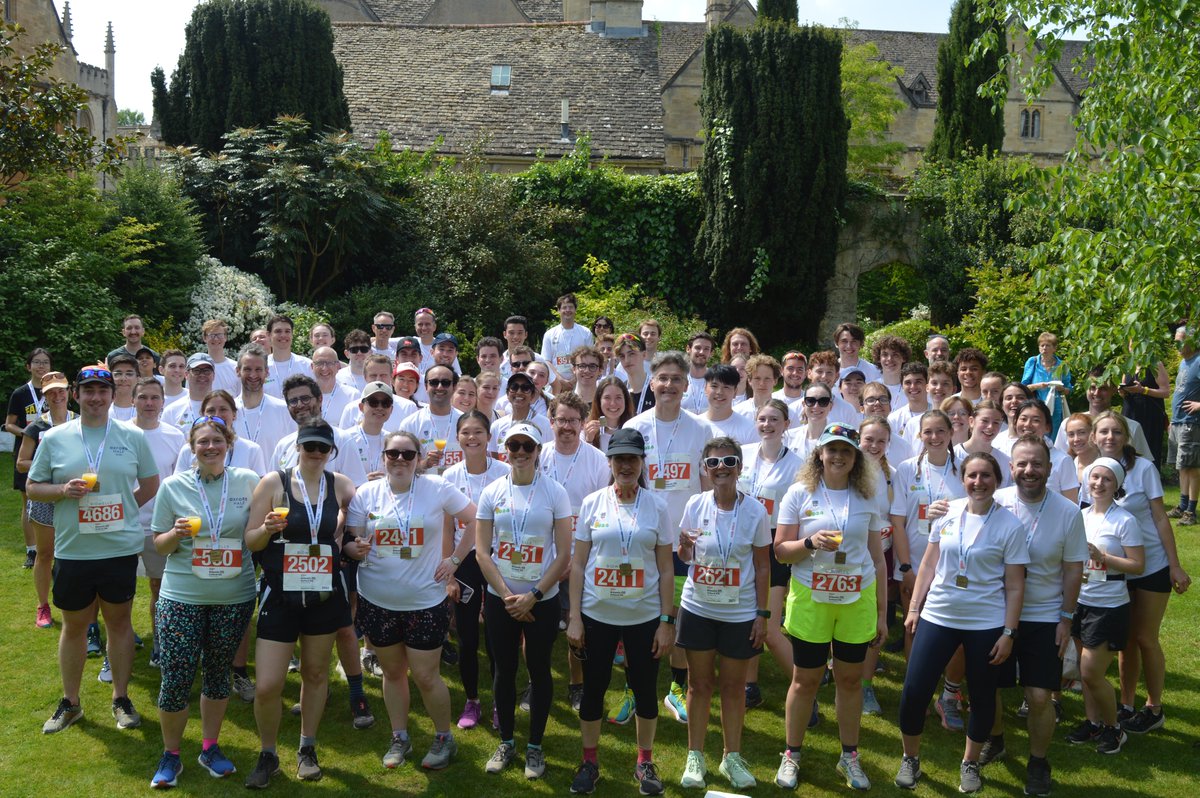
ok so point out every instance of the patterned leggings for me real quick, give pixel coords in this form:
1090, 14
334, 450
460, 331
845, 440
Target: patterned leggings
191, 635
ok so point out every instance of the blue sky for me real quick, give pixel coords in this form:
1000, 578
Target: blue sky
150, 32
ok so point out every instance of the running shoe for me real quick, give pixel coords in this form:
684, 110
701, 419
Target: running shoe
94, 644
575, 696
535, 763
126, 716
360, 713
734, 768
1085, 732
647, 778
870, 702
471, 715
216, 763
30, 556
65, 714
969, 779
1188, 518
505, 753
694, 770
1023, 710
167, 775
397, 752
1144, 721
294, 665
676, 701
950, 711
851, 769
524, 702
440, 753
307, 768
992, 751
753, 695
44, 619
155, 657
788, 774
1176, 512
626, 710
1110, 740
909, 773
1037, 777
1124, 713
105, 674
243, 687
266, 767
449, 653
586, 776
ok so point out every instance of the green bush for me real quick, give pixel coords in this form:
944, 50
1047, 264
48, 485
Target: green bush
915, 331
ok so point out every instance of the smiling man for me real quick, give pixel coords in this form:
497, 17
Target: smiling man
282, 362
434, 424
564, 338
200, 375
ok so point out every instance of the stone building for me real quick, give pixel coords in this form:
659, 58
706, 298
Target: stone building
523, 77
42, 24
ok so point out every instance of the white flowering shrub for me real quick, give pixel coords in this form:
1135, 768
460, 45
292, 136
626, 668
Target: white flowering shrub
240, 299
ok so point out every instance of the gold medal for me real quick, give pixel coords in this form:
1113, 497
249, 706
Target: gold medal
314, 550
839, 557
214, 558
405, 553
626, 569
960, 580
515, 558
660, 484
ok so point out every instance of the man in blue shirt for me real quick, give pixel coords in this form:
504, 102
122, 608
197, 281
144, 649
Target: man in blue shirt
1185, 421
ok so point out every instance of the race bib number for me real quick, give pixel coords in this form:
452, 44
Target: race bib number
100, 513
222, 561
674, 473
564, 363
713, 583
451, 458
522, 564
1095, 573
614, 579
303, 570
391, 541
835, 584
885, 537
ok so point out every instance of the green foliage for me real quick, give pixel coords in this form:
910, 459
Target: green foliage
643, 226
128, 117
303, 320
246, 62
165, 335
155, 198
1121, 207
889, 293
869, 96
39, 116
779, 10
967, 120
915, 331
773, 179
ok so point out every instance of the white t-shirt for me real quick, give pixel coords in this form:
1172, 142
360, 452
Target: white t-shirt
724, 557
1054, 534
126, 414
673, 450
245, 454
472, 485
795, 407
975, 548
355, 382
285, 455
1063, 476
406, 534
1143, 485
279, 371
267, 424
798, 440
334, 403
1137, 438
582, 473
694, 399
738, 427
960, 454
899, 419
429, 428
531, 532
1110, 532
165, 443
181, 414
560, 342
225, 377
170, 400
857, 517
749, 409
899, 450
913, 490
768, 482
897, 392
869, 370
622, 533
401, 409
504, 423
844, 412
365, 454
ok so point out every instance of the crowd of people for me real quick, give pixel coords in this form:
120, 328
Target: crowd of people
687, 508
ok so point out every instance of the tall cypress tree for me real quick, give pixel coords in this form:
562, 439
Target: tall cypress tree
773, 179
244, 63
781, 10
966, 121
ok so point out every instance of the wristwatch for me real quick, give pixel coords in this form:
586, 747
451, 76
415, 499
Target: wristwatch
905, 567
1066, 616
537, 594
667, 619
808, 543
1010, 632
456, 560
763, 613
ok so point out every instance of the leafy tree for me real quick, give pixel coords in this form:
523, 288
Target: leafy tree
128, 117
773, 179
869, 96
966, 119
781, 10
1121, 254
39, 129
246, 62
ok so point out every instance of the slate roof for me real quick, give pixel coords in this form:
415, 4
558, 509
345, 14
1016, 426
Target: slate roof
413, 12
421, 82
679, 42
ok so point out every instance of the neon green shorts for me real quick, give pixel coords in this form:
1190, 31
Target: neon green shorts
822, 623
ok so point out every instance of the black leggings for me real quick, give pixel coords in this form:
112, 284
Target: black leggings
933, 647
504, 635
466, 624
641, 667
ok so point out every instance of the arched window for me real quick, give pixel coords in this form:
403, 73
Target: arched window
1031, 123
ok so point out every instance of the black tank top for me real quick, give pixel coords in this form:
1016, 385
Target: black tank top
1141, 408
297, 529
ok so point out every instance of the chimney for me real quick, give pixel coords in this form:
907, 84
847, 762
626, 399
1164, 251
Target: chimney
716, 11
617, 19
66, 22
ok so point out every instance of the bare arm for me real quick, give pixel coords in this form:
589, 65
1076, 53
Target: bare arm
25, 454
1179, 577
263, 521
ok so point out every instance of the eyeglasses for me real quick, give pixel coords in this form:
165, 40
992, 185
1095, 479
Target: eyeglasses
842, 431
587, 366
385, 326
396, 454
813, 401
877, 400
358, 350
296, 401
525, 445
215, 336
521, 387
568, 422
314, 446
373, 402
325, 364
439, 383
209, 420
728, 460
520, 364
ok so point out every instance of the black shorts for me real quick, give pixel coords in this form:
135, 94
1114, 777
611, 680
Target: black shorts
284, 622
1037, 656
807, 655
77, 583
781, 573
1097, 627
1157, 582
729, 638
422, 630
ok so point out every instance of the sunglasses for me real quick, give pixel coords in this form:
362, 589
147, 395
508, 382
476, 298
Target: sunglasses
314, 446
439, 383
87, 374
421, 311
396, 454
521, 387
728, 460
795, 356
520, 364
813, 401
358, 350
526, 446
209, 420
386, 326
373, 402
842, 431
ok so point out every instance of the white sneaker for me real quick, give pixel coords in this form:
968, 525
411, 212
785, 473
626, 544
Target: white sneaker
694, 770
788, 774
734, 768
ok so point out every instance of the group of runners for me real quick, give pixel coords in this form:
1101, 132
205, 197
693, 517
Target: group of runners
678, 509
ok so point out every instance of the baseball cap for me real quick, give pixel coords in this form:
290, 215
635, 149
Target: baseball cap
201, 359
408, 342
149, 352
445, 338
372, 388
315, 430
627, 441
406, 367
53, 379
839, 432
520, 375
528, 430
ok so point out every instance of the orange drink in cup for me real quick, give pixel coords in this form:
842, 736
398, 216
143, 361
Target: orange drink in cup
440, 443
282, 512
90, 478
194, 524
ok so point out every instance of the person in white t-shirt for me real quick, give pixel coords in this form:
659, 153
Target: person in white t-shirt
723, 536
282, 362
984, 425
914, 379
564, 338
242, 453
738, 341
939, 388
525, 522
402, 588
174, 370
434, 424
892, 353
823, 369
200, 375
630, 352
763, 373
335, 397
969, 594
357, 350
970, 365
960, 411
699, 351
216, 333
586, 363
521, 390
720, 384
1011, 398
383, 324
261, 418
877, 402
830, 528
621, 591
795, 372
611, 408
818, 404
125, 375
850, 339
1033, 418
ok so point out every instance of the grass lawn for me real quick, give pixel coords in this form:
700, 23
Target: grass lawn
94, 758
